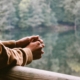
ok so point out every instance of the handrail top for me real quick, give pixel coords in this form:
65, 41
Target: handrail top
26, 73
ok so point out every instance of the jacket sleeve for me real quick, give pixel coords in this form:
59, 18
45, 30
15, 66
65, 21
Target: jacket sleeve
15, 56
9, 43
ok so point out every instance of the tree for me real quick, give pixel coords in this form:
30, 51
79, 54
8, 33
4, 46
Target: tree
35, 14
73, 7
9, 18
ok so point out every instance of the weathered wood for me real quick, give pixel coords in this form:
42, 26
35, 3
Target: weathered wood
25, 73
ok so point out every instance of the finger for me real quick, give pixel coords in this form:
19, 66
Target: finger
42, 51
43, 45
41, 41
38, 43
34, 38
38, 56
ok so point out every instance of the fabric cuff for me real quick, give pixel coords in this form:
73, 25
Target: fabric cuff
29, 55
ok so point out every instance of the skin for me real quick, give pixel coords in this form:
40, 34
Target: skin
34, 43
36, 48
26, 41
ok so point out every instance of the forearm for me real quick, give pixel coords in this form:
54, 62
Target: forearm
16, 44
9, 43
16, 56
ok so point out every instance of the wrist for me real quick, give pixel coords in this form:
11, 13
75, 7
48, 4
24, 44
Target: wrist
22, 42
17, 44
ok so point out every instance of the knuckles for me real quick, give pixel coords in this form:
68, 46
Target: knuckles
38, 43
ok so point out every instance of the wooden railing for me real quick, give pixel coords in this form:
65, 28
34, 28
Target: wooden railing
25, 73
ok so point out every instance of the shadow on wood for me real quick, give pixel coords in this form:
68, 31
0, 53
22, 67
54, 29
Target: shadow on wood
25, 73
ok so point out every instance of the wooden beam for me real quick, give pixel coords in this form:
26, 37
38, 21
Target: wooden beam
25, 73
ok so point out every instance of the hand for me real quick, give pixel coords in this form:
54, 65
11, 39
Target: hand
36, 48
26, 41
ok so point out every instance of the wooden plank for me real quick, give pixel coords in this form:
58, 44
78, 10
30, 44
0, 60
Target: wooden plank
25, 73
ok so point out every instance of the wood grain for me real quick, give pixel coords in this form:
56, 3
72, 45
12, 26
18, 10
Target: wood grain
25, 73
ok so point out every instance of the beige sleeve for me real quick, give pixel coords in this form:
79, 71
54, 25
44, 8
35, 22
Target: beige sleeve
16, 56
9, 43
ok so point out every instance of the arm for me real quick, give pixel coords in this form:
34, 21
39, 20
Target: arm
9, 43
20, 56
21, 42
16, 56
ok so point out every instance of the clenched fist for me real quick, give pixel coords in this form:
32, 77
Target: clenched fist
36, 48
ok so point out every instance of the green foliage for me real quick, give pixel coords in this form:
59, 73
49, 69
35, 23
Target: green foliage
47, 60
6, 14
72, 7
19, 18
36, 13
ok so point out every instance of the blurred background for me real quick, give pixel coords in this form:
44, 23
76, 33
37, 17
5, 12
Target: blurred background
58, 24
